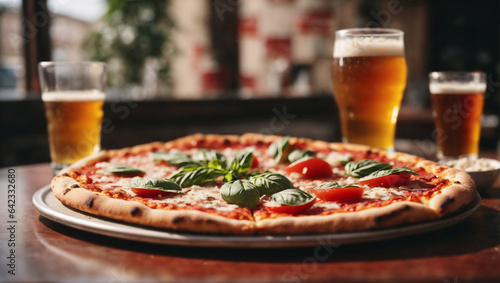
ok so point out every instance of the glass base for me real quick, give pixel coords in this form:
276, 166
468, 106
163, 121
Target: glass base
56, 167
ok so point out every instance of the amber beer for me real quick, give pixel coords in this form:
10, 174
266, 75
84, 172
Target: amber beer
73, 123
457, 102
369, 76
73, 94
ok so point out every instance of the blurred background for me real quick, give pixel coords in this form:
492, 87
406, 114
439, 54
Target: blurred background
178, 67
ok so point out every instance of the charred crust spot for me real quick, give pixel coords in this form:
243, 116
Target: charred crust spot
177, 219
65, 175
447, 201
89, 202
384, 217
457, 182
66, 191
208, 220
75, 186
135, 211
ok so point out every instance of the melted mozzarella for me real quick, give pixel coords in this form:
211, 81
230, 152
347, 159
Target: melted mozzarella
382, 193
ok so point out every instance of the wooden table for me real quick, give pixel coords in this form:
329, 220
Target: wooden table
46, 251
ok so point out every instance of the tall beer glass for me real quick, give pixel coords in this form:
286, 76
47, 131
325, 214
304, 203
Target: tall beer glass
457, 103
369, 77
73, 96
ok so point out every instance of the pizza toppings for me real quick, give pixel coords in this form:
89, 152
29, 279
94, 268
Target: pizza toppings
332, 191
240, 164
280, 149
207, 156
178, 159
388, 178
124, 169
271, 183
240, 192
211, 165
312, 168
189, 176
152, 187
300, 154
364, 167
291, 201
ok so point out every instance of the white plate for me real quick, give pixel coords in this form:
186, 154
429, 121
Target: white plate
51, 208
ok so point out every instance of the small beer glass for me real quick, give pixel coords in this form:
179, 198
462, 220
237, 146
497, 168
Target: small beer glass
457, 107
369, 77
73, 94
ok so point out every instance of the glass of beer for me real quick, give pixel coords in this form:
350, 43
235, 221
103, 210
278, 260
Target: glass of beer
73, 94
369, 77
457, 107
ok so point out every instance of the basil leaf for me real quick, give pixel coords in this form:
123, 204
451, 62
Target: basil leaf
189, 176
231, 175
328, 185
292, 197
207, 155
300, 154
279, 149
271, 183
381, 173
177, 159
124, 169
242, 161
240, 192
364, 167
346, 160
216, 164
155, 184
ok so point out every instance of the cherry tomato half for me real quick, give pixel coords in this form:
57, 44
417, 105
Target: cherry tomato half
289, 209
392, 180
255, 162
313, 168
151, 192
339, 194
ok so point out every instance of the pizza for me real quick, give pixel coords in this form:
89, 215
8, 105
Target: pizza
257, 184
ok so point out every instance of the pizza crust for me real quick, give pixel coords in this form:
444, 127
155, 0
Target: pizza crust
379, 217
456, 196
450, 199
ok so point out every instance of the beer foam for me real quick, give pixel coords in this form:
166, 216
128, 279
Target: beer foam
76, 95
368, 46
457, 88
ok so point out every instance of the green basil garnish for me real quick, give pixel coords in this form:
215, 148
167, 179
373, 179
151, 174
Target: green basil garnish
189, 176
300, 154
346, 160
155, 184
240, 192
271, 183
242, 161
211, 166
205, 156
292, 197
381, 173
124, 169
334, 185
279, 149
177, 159
364, 167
